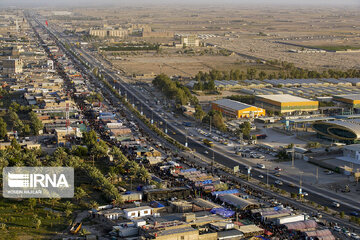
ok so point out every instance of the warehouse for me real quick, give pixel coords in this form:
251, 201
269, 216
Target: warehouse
285, 103
352, 100
235, 109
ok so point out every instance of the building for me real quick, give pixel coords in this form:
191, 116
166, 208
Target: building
121, 33
11, 66
137, 212
343, 131
189, 41
351, 153
285, 103
235, 109
351, 100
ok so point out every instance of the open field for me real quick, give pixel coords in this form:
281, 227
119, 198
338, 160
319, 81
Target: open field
252, 33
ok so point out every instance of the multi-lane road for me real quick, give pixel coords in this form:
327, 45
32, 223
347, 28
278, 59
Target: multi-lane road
317, 195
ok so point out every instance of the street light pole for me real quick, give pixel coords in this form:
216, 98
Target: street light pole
292, 157
267, 177
210, 124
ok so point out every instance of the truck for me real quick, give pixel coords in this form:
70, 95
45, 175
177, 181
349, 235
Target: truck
208, 143
290, 219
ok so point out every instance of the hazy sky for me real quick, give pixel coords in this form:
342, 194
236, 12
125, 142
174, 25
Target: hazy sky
66, 3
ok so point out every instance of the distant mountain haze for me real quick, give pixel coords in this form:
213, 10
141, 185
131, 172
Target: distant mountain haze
105, 3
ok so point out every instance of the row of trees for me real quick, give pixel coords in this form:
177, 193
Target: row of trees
216, 119
174, 90
287, 70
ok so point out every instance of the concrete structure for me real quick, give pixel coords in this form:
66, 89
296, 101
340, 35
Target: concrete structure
137, 212
285, 103
344, 131
121, 33
12, 66
351, 153
352, 100
189, 41
235, 109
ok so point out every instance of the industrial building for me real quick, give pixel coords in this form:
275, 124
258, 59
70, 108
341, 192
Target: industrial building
190, 41
235, 109
352, 100
351, 153
285, 103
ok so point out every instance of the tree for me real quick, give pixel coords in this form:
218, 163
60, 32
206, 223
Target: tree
35, 123
143, 174
79, 194
31, 203
37, 223
3, 128
245, 129
94, 204
54, 201
199, 112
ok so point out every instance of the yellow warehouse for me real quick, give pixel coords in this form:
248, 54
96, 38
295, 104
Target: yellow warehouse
235, 109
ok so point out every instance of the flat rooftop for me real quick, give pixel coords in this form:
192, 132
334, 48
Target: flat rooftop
349, 96
228, 103
283, 98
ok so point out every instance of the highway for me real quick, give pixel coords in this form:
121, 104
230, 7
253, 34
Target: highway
219, 156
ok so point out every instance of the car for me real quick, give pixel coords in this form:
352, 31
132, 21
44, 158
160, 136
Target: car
277, 175
305, 194
292, 185
261, 166
206, 152
354, 236
336, 204
346, 232
278, 169
261, 176
337, 229
330, 172
278, 182
354, 213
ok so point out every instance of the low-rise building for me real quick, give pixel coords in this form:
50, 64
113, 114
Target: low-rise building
137, 212
285, 103
235, 109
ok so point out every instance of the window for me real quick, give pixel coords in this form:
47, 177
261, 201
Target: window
133, 214
182, 237
146, 212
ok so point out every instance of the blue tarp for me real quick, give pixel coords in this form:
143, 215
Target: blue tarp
189, 170
232, 191
156, 204
223, 212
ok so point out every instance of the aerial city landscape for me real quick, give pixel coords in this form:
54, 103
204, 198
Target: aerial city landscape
192, 121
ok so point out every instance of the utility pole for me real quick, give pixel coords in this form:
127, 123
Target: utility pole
292, 157
166, 127
213, 161
267, 177
317, 175
210, 124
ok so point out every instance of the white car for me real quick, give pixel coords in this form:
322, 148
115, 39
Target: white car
305, 194
261, 176
206, 152
278, 182
336, 204
337, 229
261, 166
